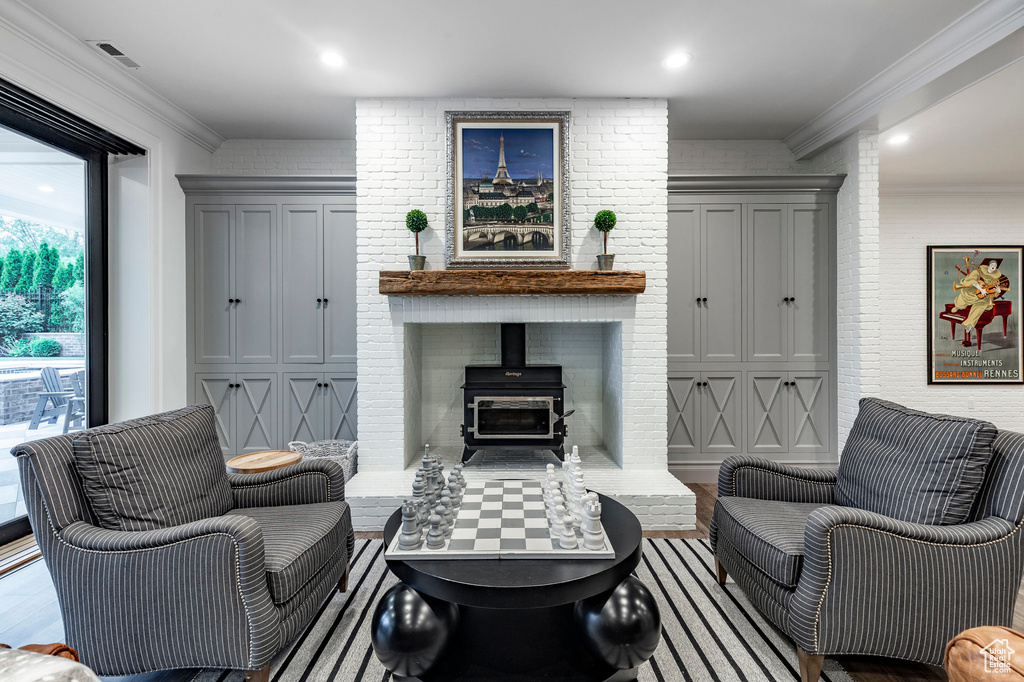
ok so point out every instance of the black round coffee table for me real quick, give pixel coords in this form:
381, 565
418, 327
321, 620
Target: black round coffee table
513, 619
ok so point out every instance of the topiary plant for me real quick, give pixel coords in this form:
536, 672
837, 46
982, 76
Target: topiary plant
605, 221
416, 221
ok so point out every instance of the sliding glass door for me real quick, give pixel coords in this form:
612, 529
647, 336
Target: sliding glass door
53, 279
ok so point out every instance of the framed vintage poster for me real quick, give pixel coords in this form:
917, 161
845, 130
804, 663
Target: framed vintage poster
508, 190
974, 315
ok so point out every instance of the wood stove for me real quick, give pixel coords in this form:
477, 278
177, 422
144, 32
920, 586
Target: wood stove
514, 406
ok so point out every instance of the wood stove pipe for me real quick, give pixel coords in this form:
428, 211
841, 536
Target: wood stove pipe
513, 344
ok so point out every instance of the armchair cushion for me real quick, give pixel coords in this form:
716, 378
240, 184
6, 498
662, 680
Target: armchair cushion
913, 466
155, 472
769, 535
299, 541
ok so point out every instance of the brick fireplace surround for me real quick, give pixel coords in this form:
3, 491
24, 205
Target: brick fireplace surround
412, 349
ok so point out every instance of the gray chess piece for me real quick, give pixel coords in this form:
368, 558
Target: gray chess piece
454, 493
419, 487
411, 537
449, 514
568, 539
439, 510
593, 531
435, 536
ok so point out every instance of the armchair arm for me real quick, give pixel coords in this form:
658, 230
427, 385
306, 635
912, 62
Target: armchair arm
871, 584
763, 479
310, 481
193, 595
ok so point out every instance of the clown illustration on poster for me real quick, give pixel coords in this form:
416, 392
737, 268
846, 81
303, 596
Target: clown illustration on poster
974, 315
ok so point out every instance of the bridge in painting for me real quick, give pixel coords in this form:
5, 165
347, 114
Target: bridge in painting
514, 236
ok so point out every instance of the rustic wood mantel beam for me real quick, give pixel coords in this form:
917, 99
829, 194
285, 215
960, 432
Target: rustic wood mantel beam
510, 282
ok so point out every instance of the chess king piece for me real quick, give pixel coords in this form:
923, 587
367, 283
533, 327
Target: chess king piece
568, 539
593, 531
411, 538
435, 536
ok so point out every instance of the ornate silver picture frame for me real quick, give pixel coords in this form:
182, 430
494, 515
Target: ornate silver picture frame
507, 197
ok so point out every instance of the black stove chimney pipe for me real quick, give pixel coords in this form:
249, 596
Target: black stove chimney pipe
513, 344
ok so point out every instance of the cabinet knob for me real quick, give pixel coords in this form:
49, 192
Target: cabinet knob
698, 299
792, 299
704, 300
319, 300
325, 300
786, 300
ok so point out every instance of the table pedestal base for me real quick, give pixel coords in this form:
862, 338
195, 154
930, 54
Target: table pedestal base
520, 644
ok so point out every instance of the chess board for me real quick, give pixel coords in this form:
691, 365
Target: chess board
501, 520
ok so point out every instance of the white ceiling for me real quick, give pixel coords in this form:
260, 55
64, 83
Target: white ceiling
27, 165
975, 138
250, 68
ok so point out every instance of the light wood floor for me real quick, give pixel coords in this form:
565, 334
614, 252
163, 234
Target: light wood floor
29, 613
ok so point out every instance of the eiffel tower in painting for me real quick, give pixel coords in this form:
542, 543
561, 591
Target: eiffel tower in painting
502, 177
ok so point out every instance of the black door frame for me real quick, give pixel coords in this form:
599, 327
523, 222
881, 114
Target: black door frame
26, 114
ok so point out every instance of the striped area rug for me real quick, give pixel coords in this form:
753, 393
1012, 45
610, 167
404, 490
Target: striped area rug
708, 633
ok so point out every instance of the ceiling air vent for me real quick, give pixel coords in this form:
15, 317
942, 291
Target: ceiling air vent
108, 48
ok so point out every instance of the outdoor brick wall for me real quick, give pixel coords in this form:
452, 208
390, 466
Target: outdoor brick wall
619, 152
71, 345
909, 223
286, 157
18, 396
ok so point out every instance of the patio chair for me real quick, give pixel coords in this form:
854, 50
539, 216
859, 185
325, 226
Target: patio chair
74, 413
54, 394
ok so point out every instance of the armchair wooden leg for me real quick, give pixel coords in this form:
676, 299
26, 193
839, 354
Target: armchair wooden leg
261, 675
343, 582
810, 666
722, 575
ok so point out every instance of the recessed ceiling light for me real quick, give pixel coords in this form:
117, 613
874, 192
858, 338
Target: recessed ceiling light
899, 139
44, 188
677, 60
332, 59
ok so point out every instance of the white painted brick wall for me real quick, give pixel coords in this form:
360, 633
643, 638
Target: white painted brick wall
857, 232
619, 151
731, 157
910, 223
286, 157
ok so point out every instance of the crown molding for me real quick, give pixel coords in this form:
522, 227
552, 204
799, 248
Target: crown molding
951, 190
76, 56
344, 185
764, 184
974, 32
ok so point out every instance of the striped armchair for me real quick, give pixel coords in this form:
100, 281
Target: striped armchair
224, 591
845, 580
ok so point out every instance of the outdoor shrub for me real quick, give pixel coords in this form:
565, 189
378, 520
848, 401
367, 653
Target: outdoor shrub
28, 268
44, 348
17, 315
72, 303
12, 270
16, 348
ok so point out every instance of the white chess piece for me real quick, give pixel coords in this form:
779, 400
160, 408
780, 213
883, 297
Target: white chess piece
593, 531
557, 522
568, 539
449, 514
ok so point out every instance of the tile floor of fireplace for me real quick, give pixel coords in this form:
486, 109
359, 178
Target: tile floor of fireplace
657, 498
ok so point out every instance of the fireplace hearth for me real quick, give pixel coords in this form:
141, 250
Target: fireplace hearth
514, 406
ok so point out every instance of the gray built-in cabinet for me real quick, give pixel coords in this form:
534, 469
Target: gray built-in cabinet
271, 265
751, 320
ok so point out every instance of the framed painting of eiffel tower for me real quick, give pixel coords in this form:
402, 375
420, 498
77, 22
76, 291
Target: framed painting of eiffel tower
508, 189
